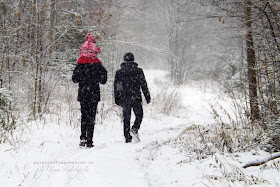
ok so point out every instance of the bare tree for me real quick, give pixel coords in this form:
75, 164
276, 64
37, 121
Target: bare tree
251, 61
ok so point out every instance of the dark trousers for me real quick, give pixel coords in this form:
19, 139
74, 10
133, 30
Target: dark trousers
88, 110
138, 111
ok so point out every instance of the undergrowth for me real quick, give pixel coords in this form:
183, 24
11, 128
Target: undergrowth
166, 100
7, 120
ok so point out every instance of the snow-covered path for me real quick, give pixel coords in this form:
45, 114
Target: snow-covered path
50, 160
47, 153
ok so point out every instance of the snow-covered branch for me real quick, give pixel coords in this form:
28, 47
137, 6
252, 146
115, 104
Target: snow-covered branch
262, 161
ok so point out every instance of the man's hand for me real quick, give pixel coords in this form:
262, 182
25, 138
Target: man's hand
117, 103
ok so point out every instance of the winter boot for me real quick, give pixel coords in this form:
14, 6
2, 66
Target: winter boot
89, 144
134, 134
128, 140
83, 142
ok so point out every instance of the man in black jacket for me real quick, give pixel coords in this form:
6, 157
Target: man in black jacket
88, 75
129, 81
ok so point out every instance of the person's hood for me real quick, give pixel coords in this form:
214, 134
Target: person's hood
129, 65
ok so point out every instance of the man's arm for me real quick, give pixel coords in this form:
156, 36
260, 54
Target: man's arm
144, 86
118, 88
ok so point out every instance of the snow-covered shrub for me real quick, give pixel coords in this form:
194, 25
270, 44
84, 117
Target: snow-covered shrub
6, 119
230, 175
232, 132
167, 101
204, 141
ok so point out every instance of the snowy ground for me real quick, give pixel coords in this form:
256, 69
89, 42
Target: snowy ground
46, 152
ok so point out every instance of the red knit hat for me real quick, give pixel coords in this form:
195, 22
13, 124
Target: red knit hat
88, 51
88, 60
89, 48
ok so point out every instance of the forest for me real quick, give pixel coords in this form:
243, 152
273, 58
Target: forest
230, 48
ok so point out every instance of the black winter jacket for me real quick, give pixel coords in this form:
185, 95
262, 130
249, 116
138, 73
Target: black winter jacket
89, 76
129, 81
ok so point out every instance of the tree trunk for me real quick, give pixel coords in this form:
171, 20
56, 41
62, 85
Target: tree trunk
52, 18
3, 32
251, 60
35, 41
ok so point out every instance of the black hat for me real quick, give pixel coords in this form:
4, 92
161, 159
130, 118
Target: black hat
128, 57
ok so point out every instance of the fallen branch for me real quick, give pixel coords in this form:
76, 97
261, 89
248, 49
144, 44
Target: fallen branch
260, 162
